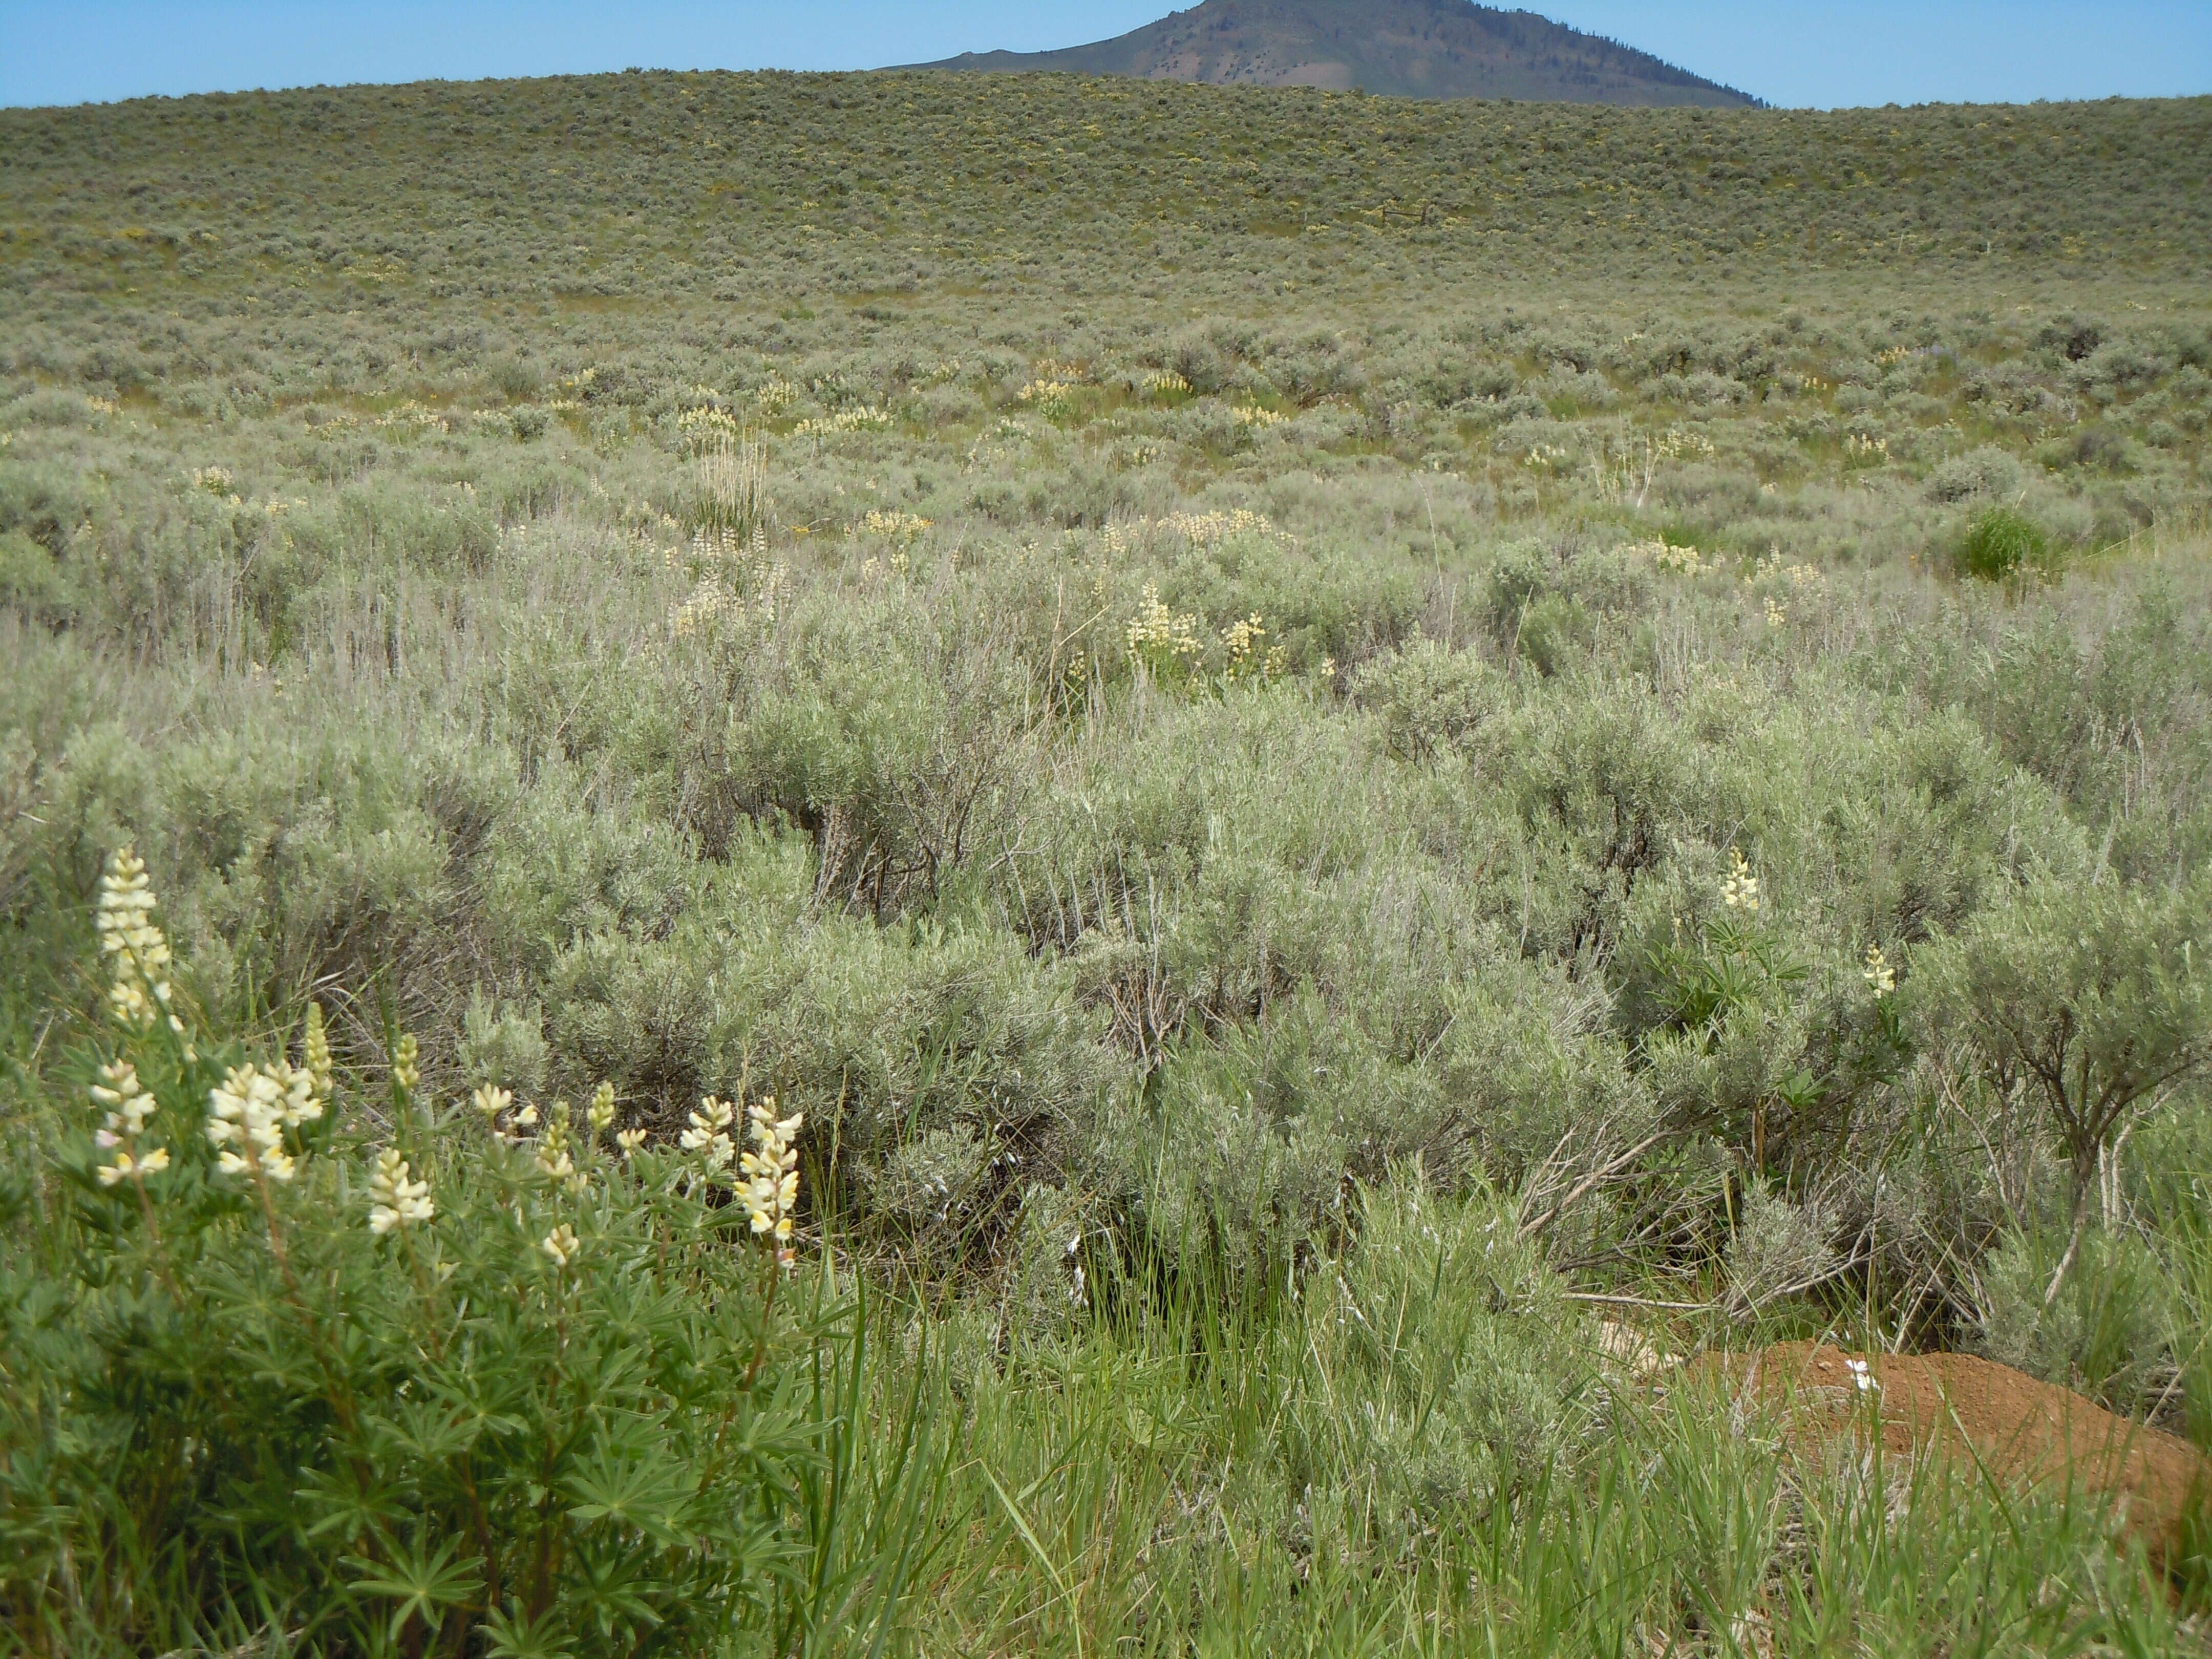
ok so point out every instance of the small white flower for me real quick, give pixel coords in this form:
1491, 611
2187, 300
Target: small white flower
562, 1244
491, 1100
629, 1141
1861, 1376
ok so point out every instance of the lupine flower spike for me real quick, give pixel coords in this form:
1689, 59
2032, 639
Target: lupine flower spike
562, 1244
129, 1107
1880, 977
601, 1114
138, 994
252, 1108
553, 1156
709, 1134
491, 1100
395, 1201
1740, 889
315, 1053
771, 1171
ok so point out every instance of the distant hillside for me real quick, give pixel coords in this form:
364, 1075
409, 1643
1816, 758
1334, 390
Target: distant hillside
1410, 48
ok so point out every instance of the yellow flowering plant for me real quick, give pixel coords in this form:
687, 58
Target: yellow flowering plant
414, 1374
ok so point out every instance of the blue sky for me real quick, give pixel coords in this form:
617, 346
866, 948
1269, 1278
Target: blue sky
1789, 52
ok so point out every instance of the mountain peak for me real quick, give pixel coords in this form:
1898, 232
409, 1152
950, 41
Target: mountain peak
1407, 48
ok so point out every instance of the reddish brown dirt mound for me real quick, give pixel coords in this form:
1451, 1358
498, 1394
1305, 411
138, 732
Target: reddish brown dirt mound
2004, 1420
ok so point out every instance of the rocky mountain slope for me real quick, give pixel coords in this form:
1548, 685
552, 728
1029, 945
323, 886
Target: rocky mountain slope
1410, 48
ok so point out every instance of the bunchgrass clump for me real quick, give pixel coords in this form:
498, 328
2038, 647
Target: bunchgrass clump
2001, 543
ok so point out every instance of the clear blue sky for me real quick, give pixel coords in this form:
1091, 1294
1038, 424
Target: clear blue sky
1821, 52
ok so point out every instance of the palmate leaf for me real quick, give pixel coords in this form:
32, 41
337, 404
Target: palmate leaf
343, 1503
422, 1431
421, 1584
650, 1495
510, 1632
611, 1586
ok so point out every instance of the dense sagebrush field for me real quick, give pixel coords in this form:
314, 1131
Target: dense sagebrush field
1319, 741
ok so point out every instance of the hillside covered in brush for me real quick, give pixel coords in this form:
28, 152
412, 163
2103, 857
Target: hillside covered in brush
640, 187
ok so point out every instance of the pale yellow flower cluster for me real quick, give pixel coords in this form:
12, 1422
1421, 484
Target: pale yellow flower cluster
138, 992
1157, 632
562, 1245
721, 553
1777, 613
315, 1053
1253, 414
1880, 975
771, 1169
216, 481
1740, 888
556, 1162
1677, 561
714, 606
252, 1108
1772, 567
411, 416
903, 529
775, 398
1161, 381
1208, 528
1244, 644
1048, 397
861, 418
130, 1106
396, 1201
709, 1134
698, 427
1679, 442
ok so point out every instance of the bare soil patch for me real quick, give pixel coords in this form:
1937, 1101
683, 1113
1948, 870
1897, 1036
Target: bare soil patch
2000, 1419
